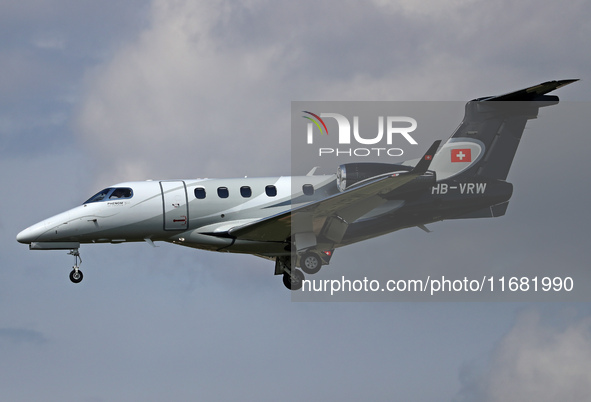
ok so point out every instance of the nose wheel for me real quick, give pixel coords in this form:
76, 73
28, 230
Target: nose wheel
76, 275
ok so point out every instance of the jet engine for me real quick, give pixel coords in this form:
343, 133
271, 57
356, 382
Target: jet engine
350, 174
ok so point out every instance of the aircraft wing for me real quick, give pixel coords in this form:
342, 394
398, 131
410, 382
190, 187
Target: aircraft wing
329, 217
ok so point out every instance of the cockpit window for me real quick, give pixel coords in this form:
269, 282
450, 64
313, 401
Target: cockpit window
99, 196
112, 193
120, 193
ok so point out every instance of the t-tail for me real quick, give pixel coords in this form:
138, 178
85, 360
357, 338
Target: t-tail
484, 144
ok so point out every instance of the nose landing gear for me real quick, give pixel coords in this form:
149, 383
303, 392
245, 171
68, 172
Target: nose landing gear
76, 275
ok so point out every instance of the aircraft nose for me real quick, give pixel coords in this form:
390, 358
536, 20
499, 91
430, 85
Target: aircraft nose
26, 236
31, 233
43, 231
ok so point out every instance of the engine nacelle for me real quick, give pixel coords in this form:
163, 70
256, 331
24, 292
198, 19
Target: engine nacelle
350, 174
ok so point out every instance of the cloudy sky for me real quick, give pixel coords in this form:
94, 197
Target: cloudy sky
94, 94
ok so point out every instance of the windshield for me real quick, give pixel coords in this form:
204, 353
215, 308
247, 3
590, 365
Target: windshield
112, 193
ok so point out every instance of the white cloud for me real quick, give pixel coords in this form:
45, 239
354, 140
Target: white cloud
182, 99
50, 42
205, 90
537, 362
432, 8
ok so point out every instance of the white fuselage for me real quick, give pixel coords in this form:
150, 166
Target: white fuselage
194, 213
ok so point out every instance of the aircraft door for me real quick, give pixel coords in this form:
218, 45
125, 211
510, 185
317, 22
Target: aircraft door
174, 201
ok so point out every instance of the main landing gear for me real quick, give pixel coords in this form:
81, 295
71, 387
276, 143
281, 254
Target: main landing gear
310, 263
293, 278
76, 275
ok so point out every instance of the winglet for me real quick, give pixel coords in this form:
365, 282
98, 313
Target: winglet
425, 161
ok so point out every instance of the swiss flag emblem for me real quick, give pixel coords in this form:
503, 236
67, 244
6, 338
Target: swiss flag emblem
461, 155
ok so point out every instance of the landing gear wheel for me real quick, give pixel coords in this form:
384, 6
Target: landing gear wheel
76, 276
310, 263
295, 281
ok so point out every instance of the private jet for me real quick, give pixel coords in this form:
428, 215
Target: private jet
299, 221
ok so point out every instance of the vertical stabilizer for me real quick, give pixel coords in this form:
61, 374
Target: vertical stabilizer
486, 141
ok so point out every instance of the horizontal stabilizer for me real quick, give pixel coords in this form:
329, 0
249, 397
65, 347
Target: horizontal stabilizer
530, 94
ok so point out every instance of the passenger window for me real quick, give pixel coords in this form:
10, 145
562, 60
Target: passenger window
223, 192
271, 190
200, 193
245, 191
308, 189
